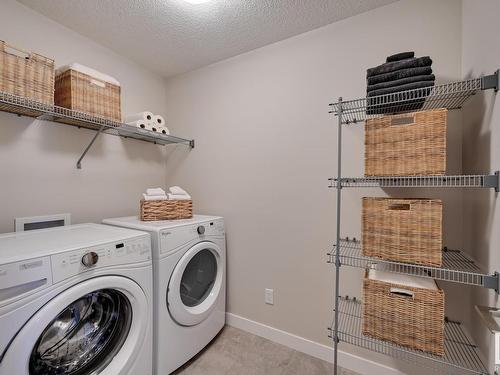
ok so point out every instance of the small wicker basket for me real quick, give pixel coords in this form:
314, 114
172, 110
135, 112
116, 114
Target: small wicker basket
166, 210
81, 92
26, 74
403, 230
412, 144
409, 316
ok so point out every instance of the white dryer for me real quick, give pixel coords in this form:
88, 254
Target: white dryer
76, 300
189, 272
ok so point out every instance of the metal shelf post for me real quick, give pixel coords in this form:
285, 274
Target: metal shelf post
337, 253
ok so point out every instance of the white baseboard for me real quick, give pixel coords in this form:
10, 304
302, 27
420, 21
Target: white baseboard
314, 349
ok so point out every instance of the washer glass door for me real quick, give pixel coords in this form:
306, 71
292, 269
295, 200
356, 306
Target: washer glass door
195, 284
85, 336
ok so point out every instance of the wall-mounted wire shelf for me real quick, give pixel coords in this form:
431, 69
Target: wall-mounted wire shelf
458, 181
457, 266
461, 354
449, 95
32, 108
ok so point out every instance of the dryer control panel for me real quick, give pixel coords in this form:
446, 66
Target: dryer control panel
72, 263
172, 239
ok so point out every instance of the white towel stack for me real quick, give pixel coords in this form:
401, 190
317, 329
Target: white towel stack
158, 194
155, 194
178, 193
148, 121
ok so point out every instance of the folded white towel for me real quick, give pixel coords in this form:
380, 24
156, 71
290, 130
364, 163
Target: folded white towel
154, 197
179, 197
155, 191
177, 190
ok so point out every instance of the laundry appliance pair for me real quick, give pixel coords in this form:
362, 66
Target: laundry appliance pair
110, 299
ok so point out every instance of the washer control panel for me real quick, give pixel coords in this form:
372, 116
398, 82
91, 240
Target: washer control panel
72, 263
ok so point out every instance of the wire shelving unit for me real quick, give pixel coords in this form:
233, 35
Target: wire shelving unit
28, 107
461, 355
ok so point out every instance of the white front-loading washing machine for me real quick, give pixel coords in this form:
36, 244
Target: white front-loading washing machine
189, 272
76, 300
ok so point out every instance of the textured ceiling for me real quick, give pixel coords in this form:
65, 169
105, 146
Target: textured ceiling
172, 36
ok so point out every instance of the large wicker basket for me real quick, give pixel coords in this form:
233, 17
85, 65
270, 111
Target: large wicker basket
403, 230
81, 92
411, 144
409, 316
26, 74
166, 210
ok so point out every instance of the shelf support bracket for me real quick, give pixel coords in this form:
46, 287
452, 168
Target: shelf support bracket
492, 282
491, 82
79, 162
493, 181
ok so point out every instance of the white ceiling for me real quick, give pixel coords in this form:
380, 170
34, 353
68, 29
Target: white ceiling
172, 36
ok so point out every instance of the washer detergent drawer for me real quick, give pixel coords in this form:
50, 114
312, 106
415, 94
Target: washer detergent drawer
22, 277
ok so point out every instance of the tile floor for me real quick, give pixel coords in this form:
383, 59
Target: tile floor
237, 352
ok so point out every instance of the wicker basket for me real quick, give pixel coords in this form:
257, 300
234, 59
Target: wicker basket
408, 316
26, 74
166, 210
411, 144
81, 92
403, 230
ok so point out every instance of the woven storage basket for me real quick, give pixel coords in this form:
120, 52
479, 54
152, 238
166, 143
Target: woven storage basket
403, 230
166, 210
413, 317
26, 74
81, 92
412, 144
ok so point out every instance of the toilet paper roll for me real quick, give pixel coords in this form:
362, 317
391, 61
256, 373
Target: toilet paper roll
164, 130
158, 120
154, 127
141, 116
140, 124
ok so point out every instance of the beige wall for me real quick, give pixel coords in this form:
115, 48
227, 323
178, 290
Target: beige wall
37, 159
265, 146
481, 153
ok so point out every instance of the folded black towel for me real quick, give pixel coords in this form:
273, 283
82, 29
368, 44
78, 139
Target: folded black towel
399, 74
399, 82
408, 86
398, 65
400, 56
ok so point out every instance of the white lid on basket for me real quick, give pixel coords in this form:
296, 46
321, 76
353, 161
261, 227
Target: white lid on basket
88, 71
406, 280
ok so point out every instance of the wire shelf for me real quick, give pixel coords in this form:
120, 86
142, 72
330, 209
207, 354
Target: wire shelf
458, 181
449, 95
461, 354
32, 108
457, 267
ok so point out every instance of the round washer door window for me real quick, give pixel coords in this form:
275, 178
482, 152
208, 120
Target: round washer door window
95, 327
195, 284
85, 336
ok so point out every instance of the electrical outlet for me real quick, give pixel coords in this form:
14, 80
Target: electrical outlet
269, 296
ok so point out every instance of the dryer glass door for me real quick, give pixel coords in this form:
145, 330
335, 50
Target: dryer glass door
196, 283
198, 278
84, 337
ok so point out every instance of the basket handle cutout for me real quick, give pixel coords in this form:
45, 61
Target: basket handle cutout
96, 82
17, 52
402, 292
408, 120
400, 207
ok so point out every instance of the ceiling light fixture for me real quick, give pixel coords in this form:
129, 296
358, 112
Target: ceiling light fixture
196, 1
